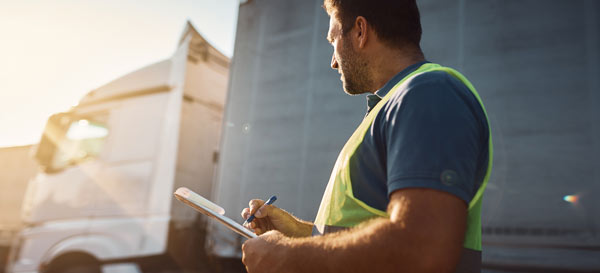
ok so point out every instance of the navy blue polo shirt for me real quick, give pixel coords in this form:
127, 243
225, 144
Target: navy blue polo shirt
432, 133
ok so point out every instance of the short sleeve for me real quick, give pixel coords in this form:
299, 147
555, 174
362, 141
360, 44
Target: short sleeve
433, 137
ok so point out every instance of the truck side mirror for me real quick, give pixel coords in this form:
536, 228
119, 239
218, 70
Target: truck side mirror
54, 132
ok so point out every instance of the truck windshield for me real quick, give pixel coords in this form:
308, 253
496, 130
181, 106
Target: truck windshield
83, 140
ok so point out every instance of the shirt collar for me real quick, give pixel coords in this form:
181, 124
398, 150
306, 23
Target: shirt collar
372, 100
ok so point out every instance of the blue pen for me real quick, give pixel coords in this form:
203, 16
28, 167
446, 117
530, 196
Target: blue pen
269, 202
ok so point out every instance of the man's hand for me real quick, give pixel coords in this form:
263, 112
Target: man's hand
264, 254
270, 217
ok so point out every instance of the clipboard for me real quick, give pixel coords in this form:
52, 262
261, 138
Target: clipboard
211, 209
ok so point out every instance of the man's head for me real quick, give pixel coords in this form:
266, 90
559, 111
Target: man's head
356, 25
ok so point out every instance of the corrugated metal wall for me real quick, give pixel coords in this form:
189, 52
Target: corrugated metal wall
535, 64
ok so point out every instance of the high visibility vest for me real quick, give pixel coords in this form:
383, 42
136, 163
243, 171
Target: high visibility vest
339, 207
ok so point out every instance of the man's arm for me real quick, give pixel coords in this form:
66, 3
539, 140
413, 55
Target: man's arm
424, 233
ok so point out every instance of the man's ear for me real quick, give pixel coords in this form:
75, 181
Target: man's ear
362, 29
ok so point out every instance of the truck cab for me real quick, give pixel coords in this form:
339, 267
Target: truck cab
103, 201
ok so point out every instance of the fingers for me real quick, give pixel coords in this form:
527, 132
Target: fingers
263, 211
256, 207
245, 213
255, 204
257, 224
260, 224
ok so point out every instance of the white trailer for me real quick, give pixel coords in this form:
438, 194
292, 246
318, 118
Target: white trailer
110, 165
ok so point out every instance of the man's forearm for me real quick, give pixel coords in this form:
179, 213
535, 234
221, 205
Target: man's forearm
347, 251
378, 246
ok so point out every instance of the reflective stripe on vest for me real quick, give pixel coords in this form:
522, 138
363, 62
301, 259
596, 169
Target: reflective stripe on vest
340, 209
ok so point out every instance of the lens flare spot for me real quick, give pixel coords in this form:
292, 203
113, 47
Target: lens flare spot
571, 198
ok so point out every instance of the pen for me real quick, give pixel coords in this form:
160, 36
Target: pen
269, 202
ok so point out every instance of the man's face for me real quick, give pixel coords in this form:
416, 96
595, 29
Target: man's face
352, 67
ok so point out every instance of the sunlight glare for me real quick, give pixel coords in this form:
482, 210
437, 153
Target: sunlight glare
573, 199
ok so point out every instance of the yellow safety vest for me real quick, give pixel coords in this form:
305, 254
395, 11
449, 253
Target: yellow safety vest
341, 209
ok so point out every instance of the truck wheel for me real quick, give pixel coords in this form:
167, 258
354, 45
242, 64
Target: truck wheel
82, 269
74, 263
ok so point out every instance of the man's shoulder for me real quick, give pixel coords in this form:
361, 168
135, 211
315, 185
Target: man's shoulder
434, 91
436, 78
428, 85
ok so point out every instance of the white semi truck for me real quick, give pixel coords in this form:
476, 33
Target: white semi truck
103, 202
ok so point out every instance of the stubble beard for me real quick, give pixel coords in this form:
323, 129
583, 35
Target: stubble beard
355, 73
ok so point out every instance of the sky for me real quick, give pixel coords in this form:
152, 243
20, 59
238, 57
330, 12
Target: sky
53, 52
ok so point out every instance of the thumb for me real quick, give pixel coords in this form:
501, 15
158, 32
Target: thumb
264, 211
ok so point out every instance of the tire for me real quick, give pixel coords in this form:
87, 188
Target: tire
82, 268
74, 263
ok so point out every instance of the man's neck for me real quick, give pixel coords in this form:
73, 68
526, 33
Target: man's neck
389, 62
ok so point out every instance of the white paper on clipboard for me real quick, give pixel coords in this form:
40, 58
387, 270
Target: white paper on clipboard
211, 209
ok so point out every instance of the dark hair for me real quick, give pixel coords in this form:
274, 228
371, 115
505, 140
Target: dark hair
396, 22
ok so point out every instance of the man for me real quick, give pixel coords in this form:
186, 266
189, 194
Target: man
405, 192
